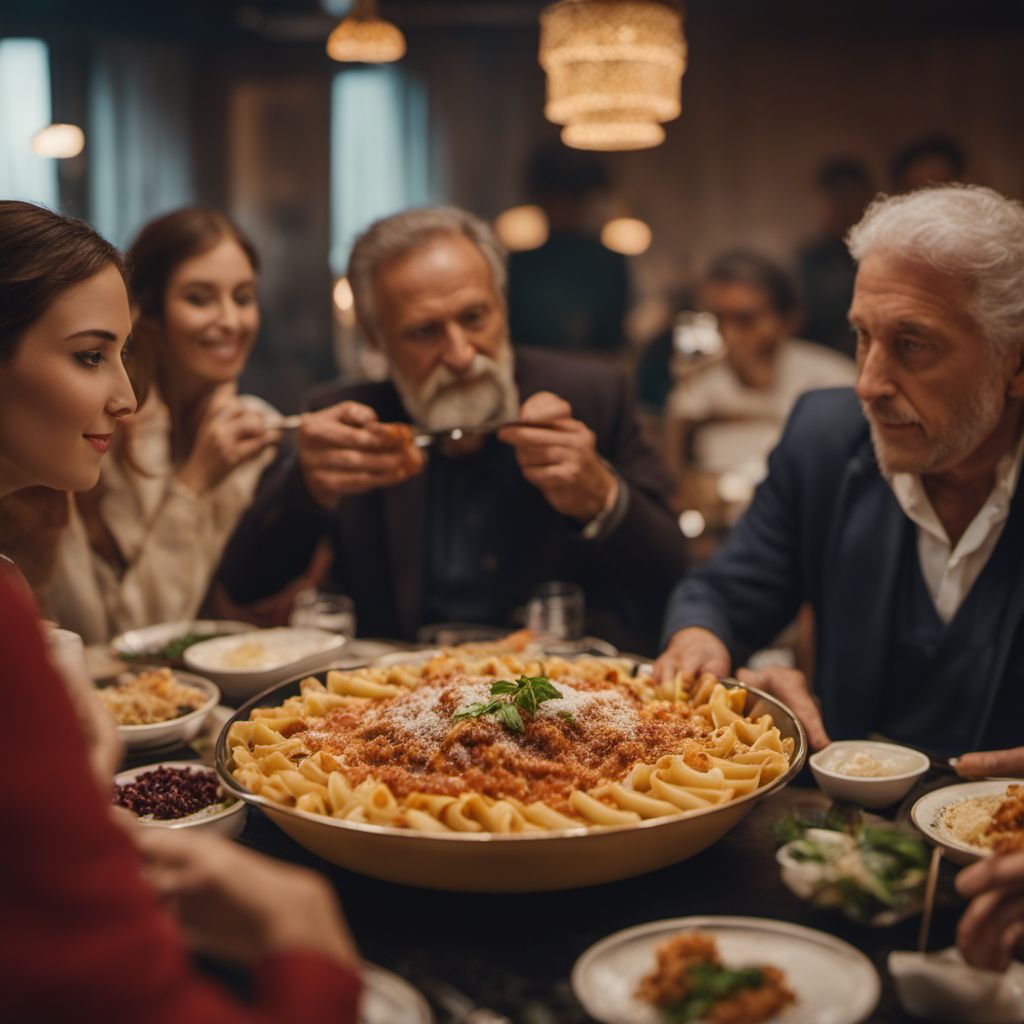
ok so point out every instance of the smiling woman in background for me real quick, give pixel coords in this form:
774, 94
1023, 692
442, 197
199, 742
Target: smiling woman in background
193, 454
91, 933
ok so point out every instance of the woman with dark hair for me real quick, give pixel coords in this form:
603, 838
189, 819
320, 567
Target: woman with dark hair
86, 933
192, 455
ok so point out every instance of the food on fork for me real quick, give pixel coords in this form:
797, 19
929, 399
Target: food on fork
691, 983
401, 436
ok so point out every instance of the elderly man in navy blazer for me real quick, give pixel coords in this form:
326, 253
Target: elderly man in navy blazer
896, 509
571, 491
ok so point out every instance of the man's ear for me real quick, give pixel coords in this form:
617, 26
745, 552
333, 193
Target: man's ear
1015, 385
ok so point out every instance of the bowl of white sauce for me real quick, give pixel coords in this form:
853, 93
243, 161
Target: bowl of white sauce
867, 772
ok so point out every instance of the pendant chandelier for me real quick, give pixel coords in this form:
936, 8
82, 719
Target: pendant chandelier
365, 37
614, 70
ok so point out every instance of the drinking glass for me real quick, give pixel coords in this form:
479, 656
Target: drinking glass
319, 609
554, 613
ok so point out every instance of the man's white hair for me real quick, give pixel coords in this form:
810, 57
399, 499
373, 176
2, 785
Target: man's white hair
392, 237
966, 231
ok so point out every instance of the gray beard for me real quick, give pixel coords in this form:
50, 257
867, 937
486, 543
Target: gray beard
441, 402
976, 419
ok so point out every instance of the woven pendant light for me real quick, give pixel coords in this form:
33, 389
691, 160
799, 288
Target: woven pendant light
366, 38
614, 70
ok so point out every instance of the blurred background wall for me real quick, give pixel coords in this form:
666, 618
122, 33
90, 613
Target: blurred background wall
235, 104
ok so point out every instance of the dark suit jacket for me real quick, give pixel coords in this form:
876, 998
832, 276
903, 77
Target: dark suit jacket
825, 527
379, 538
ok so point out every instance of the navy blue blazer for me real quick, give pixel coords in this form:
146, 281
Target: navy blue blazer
825, 528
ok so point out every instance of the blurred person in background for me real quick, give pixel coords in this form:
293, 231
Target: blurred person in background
87, 934
571, 292
464, 530
191, 457
896, 509
932, 160
825, 268
726, 411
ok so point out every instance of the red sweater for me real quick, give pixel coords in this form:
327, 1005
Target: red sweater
82, 936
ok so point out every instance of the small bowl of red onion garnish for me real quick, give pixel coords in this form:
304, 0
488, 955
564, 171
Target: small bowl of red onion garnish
179, 794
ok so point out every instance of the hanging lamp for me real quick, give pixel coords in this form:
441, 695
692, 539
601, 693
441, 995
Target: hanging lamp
365, 37
614, 70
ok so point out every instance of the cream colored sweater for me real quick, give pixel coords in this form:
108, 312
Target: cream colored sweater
171, 538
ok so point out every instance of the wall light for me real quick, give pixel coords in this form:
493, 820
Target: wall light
522, 228
59, 141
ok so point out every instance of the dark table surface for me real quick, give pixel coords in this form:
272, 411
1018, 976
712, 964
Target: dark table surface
514, 953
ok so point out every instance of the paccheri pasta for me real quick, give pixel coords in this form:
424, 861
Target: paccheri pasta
431, 747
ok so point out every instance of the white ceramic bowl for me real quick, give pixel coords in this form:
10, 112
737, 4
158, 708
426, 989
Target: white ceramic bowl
228, 821
175, 731
139, 644
519, 861
288, 653
880, 791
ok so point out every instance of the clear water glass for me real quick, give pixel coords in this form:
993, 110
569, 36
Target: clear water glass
555, 612
319, 609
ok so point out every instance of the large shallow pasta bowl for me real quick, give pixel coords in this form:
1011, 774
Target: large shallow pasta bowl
514, 862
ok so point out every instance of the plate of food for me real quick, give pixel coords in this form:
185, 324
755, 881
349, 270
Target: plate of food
740, 969
973, 819
388, 999
166, 642
507, 772
179, 795
159, 707
246, 663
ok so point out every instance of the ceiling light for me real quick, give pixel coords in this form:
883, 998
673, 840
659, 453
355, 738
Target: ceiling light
365, 38
614, 70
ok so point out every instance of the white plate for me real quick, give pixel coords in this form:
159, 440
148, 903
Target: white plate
175, 732
139, 642
387, 999
927, 816
289, 653
834, 983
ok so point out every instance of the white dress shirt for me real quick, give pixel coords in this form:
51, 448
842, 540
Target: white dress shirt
949, 572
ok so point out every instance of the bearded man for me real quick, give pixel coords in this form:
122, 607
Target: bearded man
895, 508
465, 528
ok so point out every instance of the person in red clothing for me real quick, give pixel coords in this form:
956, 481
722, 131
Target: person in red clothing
98, 921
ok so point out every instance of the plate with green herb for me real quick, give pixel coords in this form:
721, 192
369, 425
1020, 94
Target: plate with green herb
166, 642
763, 970
872, 871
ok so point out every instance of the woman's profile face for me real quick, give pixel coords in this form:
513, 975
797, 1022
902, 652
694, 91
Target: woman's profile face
64, 388
211, 317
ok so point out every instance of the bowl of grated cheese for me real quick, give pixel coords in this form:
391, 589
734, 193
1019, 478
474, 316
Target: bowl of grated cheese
867, 772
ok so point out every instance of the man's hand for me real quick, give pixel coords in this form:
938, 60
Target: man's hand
345, 450
991, 762
559, 457
790, 686
991, 930
229, 433
693, 650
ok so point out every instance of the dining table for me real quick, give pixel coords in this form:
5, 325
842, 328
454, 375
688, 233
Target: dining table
483, 958
494, 958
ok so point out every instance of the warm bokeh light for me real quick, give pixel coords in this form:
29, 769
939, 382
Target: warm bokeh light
735, 488
692, 523
343, 298
627, 235
59, 141
364, 38
522, 228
